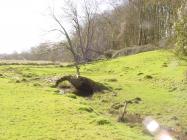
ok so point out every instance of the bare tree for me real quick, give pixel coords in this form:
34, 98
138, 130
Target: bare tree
70, 47
80, 44
84, 26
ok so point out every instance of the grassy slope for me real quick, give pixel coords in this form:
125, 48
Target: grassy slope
30, 109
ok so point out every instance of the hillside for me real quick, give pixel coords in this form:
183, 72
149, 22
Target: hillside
31, 109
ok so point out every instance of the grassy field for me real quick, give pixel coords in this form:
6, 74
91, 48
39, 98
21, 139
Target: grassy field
31, 110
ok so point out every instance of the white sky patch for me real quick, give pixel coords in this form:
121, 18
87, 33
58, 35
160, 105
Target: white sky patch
25, 23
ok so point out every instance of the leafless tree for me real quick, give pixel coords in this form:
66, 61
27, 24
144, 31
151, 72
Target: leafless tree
83, 24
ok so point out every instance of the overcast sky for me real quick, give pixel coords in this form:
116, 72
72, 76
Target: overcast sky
24, 23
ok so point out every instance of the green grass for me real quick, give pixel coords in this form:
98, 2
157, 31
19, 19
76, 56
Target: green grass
31, 109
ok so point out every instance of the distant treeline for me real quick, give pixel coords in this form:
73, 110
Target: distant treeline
130, 23
45, 51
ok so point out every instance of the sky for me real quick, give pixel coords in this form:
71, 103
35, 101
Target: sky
24, 24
